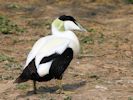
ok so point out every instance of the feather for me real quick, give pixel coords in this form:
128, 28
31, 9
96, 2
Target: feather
35, 49
53, 46
40, 44
45, 47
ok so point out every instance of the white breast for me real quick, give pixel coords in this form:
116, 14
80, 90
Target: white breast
74, 44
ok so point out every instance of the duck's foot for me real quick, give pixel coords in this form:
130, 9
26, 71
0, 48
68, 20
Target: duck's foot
61, 90
35, 92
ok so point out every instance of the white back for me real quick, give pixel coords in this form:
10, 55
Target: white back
36, 47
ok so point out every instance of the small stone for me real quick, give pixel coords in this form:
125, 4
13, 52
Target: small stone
101, 87
78, 62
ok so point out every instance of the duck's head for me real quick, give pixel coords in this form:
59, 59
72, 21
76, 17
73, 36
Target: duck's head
66, 23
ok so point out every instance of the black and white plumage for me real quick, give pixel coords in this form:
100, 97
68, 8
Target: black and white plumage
51, 55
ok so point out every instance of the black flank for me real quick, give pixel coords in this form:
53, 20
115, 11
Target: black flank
61, 63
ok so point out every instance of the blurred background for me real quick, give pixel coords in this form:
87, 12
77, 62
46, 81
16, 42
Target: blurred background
104, 68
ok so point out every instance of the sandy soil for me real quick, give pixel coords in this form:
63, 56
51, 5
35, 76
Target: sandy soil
104, 68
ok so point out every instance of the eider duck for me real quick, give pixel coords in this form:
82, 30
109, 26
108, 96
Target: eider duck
52, 54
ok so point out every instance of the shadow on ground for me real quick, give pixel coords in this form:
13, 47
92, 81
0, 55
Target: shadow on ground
66, 87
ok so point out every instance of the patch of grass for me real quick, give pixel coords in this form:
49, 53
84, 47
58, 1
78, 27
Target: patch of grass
13, 6
101, 38
130, 98
98, 35
68, 98
129, 1
52, 99
9, 66
94, 36
9, 62
42, 97
8, 27
22, 86
4, 57
6, 77
39, 23
91, 30
87, 39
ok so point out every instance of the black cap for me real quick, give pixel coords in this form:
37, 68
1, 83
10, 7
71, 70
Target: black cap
65, 18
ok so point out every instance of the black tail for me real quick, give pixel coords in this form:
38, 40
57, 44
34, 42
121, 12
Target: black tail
28, 73
20, 79
25, 76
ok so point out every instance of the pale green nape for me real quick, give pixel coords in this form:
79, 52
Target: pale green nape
59, 24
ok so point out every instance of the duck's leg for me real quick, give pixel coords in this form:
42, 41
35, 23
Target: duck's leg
34, 87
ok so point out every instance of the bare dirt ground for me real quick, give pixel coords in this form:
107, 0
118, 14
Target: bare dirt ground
104, 68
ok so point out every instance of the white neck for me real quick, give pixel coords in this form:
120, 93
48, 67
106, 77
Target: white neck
68, 35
